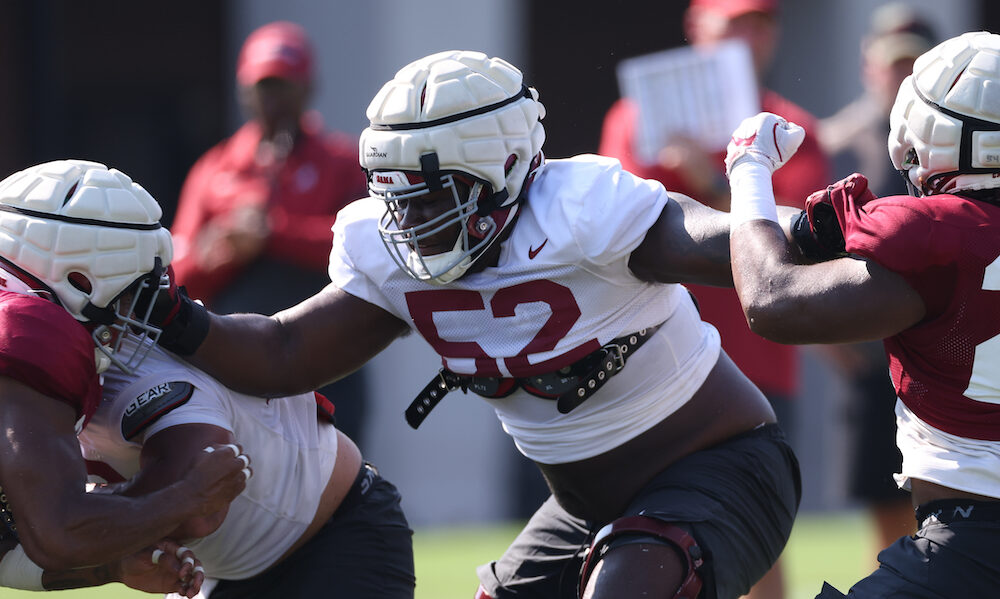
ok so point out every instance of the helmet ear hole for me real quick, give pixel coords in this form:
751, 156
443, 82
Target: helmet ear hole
69, 194
80, 281
509, 165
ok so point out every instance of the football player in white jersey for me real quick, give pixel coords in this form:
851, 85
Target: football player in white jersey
315, 520
921, 271
551, 289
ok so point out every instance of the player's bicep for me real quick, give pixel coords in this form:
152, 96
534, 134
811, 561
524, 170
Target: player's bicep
688, 243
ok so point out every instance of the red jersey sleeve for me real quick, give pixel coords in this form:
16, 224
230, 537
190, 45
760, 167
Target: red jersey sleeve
900, 234
45, 348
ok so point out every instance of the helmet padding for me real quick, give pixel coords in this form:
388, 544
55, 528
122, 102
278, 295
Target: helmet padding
945, 123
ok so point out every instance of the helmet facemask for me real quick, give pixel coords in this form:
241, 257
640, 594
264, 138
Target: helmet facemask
458, 119
476, 225
120, 321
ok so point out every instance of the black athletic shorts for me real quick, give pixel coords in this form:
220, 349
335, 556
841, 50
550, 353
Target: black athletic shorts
737, 499
364, 550
954, 555
874, 455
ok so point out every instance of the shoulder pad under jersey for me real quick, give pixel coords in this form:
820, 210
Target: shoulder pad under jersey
152, 403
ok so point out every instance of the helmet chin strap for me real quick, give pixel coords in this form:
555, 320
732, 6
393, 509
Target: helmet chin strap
102, 359
424, 266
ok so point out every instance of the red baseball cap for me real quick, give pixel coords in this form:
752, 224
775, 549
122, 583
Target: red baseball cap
735, 8
279, 49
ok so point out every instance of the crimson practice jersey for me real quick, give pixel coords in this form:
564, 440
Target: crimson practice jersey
45, 348
946, 368
561, 289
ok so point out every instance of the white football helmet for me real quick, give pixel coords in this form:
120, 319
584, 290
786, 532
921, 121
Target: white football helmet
82, 235
945, 125
451, 116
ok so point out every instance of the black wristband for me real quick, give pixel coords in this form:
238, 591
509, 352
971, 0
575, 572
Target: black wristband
186, 332
820, 240
803, 237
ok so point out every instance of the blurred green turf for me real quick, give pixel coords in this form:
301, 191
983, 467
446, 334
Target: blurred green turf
832, 547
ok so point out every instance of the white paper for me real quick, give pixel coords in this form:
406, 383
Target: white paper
701, 93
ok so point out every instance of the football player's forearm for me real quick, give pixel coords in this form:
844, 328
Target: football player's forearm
763, 274
104, 528
79, 578
244, 352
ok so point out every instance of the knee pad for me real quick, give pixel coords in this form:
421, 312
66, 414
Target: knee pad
653, 531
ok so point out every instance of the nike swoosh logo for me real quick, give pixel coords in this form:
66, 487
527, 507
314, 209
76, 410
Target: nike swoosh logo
744, 141
532, 252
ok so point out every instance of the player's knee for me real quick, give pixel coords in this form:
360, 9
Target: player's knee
647, 568
644, 555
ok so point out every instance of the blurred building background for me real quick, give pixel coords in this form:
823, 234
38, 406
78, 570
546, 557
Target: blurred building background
148, 87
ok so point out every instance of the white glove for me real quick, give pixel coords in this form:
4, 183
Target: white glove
766, 139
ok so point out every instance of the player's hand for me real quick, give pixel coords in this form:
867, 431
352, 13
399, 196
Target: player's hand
216, 477
183, 322
166, 567
817, 231
765, 139
232, 240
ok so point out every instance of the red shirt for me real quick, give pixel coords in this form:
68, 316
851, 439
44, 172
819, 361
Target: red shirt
320, 176
947, 248
45, 348
771, 366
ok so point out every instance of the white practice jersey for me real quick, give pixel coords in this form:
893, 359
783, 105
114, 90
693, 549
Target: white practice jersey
292, 454
931, 454
562, 288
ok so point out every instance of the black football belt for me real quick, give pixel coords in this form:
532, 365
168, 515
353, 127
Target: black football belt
8, 530
568, 386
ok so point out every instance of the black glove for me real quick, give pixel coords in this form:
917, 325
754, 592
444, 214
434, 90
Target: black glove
817, 231
183, 322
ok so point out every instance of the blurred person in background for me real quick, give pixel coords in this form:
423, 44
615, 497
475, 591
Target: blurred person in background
919, 271
687, 167
253, 221
855, 137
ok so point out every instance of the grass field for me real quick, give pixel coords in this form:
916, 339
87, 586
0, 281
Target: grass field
835, 548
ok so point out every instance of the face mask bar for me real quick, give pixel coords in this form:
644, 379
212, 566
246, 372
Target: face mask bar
109, 338
403, 244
